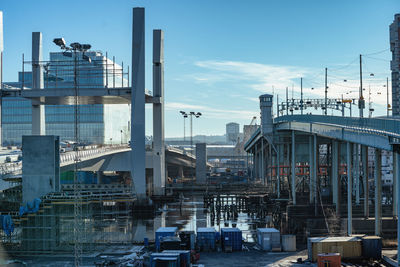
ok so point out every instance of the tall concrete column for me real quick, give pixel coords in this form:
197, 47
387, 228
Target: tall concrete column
293, 165
315, 167
357, 173
378, 192
278, 171
262, 172
349, 190
138, 165
396, 164
335, 171
364, 161
395, 186
1, 75
158, 113
38, 119
311, 167
201, 163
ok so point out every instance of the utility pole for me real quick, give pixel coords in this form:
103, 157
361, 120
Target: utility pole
361, 102
387, 96
326, 91
301, 95
277, 105
287, 101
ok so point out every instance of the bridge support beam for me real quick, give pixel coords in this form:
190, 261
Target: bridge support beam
395, 184
278, 169
1, 75
158, 114
38, 116
357, 173
293, 167
349, 190
335, 175
313, 167
364, 162
396, 164
138, 172
378, 192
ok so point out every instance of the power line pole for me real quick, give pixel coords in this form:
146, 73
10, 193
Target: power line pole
387, 96
287, 101
301, 95
361, 102
326, 91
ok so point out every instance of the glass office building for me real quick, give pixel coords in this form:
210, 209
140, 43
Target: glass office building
98, 123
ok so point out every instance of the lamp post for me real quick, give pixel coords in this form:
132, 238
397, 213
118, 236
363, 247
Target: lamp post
185, 115
69, 51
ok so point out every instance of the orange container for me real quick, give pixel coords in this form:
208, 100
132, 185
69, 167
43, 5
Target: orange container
329, 260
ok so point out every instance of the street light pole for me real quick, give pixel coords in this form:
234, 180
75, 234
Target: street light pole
361, 102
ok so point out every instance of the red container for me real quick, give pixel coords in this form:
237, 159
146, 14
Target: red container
329, 260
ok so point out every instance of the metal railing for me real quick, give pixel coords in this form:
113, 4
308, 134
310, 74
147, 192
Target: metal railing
383, 126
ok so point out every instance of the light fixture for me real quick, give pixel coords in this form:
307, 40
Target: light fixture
60, 42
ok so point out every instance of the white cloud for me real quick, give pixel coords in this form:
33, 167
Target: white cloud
259, 77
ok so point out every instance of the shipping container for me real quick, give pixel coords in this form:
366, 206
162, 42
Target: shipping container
173, 256
188, 239
289, 243
347, 247
329, 259
163, 232
170, 243
206, 239
372, 247
184, 256
231, 239
269, 239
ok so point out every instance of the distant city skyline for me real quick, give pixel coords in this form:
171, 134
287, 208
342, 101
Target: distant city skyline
221, 55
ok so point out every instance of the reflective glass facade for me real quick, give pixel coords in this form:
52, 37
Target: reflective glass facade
98, 124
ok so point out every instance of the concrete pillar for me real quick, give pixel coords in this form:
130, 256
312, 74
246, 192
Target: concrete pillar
364, 161
357, 173
180, 172
311, 167
293, 165
378, 192
262, 172
158, 113
278, 171
395, 186
138, 166
201, 163
315, 167
1, 75
396, 163
335, 171
349, 190
38, 119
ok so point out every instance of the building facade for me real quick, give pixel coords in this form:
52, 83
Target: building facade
98, 123
395, 64
232, 132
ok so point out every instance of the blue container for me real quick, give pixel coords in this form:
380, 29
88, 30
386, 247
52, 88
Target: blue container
206, 239
184, 256
231, 238
170, 257
372, 247
146, 242
163, 232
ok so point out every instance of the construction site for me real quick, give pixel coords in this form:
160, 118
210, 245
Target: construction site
81, 184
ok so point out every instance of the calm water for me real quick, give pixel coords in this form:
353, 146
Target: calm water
191, 215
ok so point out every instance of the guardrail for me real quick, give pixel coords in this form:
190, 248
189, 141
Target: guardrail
384, 126
72, 156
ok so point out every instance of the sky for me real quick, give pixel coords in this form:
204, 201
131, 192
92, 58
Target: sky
221, 55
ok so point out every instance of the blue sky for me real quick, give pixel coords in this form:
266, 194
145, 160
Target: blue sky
221, 55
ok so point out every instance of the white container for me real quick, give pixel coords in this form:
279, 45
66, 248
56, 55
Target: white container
288, 243
269, 239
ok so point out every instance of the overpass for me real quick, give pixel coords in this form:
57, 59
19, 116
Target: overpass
315, 150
